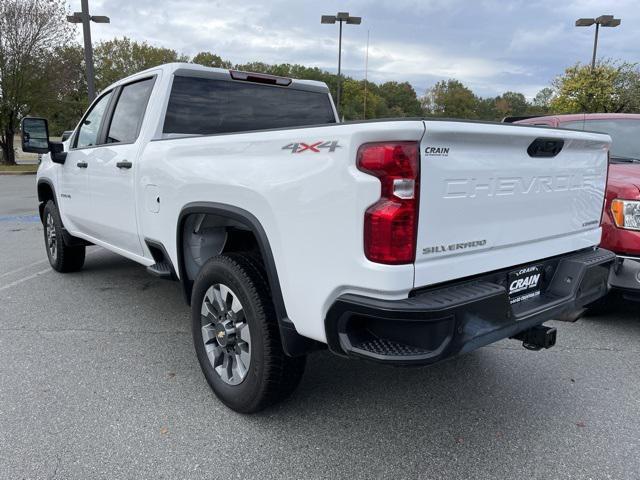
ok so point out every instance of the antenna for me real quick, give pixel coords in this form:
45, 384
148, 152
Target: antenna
366, 69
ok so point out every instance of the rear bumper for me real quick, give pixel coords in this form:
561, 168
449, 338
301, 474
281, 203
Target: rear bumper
625, 277
437, 323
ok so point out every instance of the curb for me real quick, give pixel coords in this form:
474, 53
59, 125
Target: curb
17, 173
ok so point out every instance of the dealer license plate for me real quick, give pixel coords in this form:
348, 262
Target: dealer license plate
524, 284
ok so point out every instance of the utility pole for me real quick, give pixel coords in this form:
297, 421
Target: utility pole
366, 71
86, 19
605, 21
595, 48
340, 18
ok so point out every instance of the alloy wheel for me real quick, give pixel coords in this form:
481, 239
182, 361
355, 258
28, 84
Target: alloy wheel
225, 334
52, 240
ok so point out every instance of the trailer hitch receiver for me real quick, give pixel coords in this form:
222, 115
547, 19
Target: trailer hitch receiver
537, 338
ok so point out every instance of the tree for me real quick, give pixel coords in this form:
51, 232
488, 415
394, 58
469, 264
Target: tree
543, 98
450, 98
609, 87
67, 97
486, 109
401, 98
209, 59
29, 31
121, 57
511, 104
353, 101
628, 89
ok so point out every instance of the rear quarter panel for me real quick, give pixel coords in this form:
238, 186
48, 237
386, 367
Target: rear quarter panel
310, 204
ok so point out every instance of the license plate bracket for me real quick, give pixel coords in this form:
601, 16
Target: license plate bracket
524, 283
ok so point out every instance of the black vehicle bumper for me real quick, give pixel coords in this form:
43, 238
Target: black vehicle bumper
437, 323
625, 277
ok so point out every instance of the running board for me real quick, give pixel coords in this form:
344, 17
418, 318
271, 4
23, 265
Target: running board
161, 270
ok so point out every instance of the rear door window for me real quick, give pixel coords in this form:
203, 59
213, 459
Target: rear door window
203, 106
129, 112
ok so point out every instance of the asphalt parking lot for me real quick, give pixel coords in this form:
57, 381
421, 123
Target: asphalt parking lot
98, 379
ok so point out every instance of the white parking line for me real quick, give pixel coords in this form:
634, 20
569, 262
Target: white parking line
23, 268
18, 282
30, 277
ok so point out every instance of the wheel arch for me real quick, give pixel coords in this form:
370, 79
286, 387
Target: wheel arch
46, 192
293, 343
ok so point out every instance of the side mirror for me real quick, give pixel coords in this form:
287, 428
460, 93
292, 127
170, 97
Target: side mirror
66, 135
35, 135
58, 155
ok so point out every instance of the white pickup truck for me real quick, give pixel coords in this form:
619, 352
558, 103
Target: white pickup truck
401, 241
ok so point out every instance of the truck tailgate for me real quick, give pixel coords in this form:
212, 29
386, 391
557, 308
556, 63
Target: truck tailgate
486, 202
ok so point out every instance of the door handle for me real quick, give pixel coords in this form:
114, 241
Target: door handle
124, 164
82, 164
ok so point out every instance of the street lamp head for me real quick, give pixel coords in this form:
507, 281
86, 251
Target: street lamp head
585, 22
100, 19
602, 19
341, 17
614, 22
75, 18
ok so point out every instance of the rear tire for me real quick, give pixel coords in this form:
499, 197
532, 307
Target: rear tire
63, 258
236, 335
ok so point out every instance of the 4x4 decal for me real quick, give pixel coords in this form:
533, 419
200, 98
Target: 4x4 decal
315, 147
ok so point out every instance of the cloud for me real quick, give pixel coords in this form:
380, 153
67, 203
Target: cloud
525, 39
490, 45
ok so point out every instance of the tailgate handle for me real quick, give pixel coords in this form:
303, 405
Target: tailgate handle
545, 147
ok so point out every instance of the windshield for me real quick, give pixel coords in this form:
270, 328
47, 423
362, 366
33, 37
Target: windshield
625, 134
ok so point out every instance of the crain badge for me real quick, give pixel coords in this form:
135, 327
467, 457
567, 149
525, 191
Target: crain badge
436, 151
453, 247
525, 279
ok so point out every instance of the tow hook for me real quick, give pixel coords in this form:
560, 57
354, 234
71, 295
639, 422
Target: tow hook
537, 338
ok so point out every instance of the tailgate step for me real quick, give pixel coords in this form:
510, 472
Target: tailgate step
389, 348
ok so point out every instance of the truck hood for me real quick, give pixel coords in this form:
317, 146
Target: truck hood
624, 177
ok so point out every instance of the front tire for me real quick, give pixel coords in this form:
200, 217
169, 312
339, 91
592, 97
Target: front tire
62, 257
236, 336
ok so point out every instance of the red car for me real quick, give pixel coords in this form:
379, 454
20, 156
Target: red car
621, 217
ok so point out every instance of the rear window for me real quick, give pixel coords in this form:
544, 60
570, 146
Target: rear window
203, 106
625, 134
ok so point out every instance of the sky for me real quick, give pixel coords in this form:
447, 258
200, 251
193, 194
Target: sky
491, 46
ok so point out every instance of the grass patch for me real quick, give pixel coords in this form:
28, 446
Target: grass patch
18, 168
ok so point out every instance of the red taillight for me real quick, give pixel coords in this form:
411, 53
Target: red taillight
390, 225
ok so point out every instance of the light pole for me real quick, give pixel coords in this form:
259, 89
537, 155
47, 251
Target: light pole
602, 20
341, 18
84, 18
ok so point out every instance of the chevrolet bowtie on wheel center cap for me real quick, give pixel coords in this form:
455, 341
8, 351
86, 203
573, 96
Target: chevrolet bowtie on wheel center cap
225, 334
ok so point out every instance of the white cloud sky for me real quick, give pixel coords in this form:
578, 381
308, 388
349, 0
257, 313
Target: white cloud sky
490, 45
